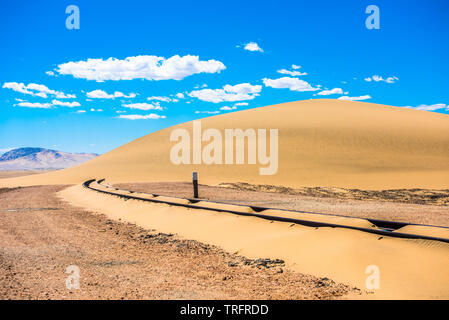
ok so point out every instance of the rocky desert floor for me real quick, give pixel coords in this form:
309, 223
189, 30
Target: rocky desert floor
40, 236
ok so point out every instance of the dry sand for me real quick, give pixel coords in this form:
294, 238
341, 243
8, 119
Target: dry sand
389, 208
19, 173
410, 269
321, 143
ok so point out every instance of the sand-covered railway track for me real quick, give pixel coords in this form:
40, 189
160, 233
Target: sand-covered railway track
311, 219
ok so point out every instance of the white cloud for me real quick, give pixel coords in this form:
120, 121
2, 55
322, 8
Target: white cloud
100, 94
139, 117
119, 94
65, 104
143, 106
294, 66
140, 67
35, 105
38, 90
81, 111
432, 107
208, 112
329, 92
292, 73
252, 46
240, 104
228, 108
180, 95
238, 92
164, 99
96, 110
377, 78
365, 97
50, 73
293, 84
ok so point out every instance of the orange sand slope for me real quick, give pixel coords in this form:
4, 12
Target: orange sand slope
321, 143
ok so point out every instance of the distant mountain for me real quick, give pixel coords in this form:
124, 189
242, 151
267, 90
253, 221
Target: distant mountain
41, 159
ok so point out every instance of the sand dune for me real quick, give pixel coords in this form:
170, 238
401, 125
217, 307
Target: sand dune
321, 143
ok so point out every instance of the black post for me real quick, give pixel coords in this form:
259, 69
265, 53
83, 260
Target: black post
195, 184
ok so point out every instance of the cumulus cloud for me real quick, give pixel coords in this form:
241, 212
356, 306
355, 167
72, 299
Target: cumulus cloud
100, 94
143, 106
164, 99
329, 92
140, 67
35, 105
228, 108
377, 78
293, 84
46, 105
38, 90
208, 112
252, 46
238, 92
180, 95
432, 107
240, 104
140, 117
292, 73
65, 104
365, 97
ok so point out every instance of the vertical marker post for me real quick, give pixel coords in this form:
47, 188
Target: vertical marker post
195, 184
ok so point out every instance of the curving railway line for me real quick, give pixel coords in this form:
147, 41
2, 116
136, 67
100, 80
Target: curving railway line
310, 219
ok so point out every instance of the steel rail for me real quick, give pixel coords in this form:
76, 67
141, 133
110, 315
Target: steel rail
383, 224
316, 224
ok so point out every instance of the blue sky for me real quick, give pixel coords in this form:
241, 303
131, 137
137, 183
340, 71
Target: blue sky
200, 49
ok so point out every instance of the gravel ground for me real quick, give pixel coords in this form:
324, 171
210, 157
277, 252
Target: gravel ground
392, 207
40, 236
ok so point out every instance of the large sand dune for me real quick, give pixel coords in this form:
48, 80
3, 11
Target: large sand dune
321, 143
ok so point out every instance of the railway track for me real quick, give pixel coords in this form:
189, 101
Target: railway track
310, 219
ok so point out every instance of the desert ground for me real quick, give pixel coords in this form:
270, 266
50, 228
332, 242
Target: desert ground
41, 235
19, 173
357, 160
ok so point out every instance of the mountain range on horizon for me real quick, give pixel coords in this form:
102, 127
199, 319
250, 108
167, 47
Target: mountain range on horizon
34, 158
